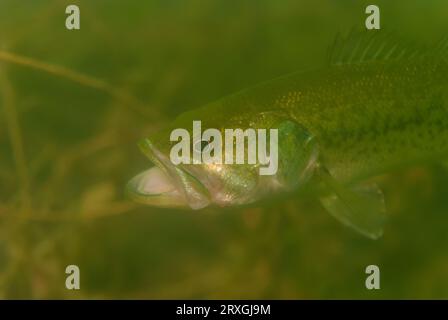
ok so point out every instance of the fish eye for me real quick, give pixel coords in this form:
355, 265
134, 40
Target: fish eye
204, 144
201, 145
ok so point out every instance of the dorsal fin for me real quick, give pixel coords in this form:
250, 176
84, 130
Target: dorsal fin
377, 45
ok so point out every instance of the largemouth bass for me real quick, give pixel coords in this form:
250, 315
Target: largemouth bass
376, 106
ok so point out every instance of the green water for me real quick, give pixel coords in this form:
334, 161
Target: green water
67, 150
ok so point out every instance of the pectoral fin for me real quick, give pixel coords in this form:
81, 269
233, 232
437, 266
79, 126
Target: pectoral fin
361, 207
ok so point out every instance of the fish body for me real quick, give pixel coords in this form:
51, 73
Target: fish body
339, 125
365, 117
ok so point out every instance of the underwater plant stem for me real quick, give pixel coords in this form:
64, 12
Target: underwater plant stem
116, 208
86, 80
15, 136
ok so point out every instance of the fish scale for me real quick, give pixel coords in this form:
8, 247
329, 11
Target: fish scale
390, 106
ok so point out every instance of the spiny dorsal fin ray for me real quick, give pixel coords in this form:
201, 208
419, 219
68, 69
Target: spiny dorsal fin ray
378, 45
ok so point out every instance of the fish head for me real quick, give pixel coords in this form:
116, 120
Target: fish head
196, 185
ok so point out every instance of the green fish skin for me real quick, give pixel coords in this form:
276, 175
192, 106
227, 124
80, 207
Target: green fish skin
338, 126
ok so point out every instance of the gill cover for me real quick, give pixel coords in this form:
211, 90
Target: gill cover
297, 154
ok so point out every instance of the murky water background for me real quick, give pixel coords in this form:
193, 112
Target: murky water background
67, 150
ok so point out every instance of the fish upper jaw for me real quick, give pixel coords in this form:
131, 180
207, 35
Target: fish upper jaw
167, 185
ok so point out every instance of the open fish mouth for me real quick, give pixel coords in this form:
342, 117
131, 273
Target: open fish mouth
166, 185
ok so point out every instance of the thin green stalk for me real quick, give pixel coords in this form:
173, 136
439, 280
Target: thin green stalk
15, 136
85, 80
